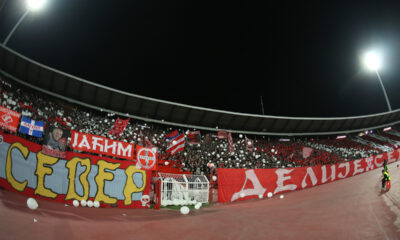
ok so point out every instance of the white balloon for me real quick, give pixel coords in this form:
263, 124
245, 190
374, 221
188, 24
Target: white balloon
260, 196
75, 203
198, 205
166, 163
214, 178
281, 196
185, 210
83, 203
90, 203
269, 194
96, 204
32, 204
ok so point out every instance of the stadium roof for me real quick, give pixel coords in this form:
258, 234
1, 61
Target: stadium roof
73, 89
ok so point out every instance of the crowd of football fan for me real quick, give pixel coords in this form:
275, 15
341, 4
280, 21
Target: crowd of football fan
249, 151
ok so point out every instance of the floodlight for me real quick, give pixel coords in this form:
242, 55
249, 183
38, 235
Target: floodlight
35, 5
372, 61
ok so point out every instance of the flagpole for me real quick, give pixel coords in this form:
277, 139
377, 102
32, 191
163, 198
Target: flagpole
262, 105
210, 191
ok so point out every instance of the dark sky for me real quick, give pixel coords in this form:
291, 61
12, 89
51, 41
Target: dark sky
302, 57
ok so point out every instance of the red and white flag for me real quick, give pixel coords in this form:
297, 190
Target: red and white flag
307, 152
222, 134
119, 127
177, 145
230, 141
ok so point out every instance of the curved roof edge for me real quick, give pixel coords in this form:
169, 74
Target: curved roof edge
80, 91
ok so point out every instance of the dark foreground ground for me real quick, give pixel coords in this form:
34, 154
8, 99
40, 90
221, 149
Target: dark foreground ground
352, 208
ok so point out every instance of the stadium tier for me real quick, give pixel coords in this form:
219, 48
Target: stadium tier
188, 150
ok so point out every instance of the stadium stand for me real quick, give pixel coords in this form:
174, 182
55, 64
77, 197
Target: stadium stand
248, 151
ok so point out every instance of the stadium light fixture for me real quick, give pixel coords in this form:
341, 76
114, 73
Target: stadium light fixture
31, 6
373, 61
387, 129
284, 140
35, 5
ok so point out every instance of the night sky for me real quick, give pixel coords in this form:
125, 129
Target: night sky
302, 57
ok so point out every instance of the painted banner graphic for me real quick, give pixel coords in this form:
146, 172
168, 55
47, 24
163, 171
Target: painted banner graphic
25, 169
240, 184
101, 145
55, 141
146, 158
9, 119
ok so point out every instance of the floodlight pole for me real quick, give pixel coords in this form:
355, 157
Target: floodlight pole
2, 5
15, 27
384, 91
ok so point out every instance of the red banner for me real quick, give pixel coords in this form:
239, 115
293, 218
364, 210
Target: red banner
101, 145
193, 137
239, 184
9, 119
222, 134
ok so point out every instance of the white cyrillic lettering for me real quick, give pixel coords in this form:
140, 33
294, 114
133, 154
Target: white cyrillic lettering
369, 161
75, 140
256, 190
324, 175
125, 151
106, 146
393, 156
84, 142
356, 167
380, 157
313, 178
281, 179
95, 143
347, 165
